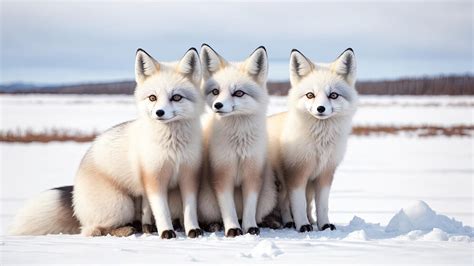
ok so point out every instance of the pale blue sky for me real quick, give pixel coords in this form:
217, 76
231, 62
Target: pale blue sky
87, 41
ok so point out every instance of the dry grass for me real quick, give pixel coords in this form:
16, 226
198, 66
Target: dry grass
420, 131
29, 136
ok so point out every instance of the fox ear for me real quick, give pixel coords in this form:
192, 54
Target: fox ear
190, 66
300, 66
256, 65
345, 65
211, 61
145, 66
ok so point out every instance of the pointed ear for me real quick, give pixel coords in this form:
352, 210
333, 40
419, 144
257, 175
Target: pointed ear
145, 66
345, 65
211, 61
190, 66
256, 65
300, 66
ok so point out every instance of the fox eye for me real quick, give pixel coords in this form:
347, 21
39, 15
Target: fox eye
239, 93
333, 95
215, 91
176, 98
152, 98
310, 95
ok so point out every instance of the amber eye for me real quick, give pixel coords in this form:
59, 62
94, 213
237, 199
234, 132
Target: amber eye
152, 98
333, 95
215, 91
310, 95
176, 98
239, 93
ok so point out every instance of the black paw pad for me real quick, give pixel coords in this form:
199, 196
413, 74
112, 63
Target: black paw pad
330, 226
193, 233
168, 234
306, 228
290, 225
254, 231
233, 232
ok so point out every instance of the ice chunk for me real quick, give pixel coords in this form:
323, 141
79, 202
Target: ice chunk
419, 216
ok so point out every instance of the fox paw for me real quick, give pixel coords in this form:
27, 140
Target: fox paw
149, 228
137, 225
306, 228
214, 227
290, 225
123, 231
193, 233
168, 234
233, 232
330, 226
254, 231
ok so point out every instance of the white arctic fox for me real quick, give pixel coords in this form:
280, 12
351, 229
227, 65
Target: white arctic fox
308, 142
157, 153
236, 181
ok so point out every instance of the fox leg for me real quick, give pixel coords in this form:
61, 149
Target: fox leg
297, 180
310, 203
284, 204
156, 188
147, 217
322, 188
251, 185
189, 185
223, 181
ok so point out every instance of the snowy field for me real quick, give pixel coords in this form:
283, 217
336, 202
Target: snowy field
395, 199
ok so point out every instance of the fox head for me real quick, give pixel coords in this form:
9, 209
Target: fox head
323, 90
235, 88
168, 92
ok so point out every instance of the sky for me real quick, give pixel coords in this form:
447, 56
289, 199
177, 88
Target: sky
56, 42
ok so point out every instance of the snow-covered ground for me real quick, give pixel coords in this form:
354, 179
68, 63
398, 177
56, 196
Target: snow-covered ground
97, 113
395, 199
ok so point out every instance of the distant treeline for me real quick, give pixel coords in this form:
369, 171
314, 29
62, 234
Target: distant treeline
441, 85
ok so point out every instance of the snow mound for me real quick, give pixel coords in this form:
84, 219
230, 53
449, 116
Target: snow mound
359, 235
419, 216
436, 235
265, 249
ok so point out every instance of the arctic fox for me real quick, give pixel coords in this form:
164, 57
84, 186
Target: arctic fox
237, 182
308, 142
141, 159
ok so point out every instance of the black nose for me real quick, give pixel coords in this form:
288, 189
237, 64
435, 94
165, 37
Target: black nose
218, 105
160, 113
321, 109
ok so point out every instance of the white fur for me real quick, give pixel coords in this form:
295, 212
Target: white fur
307, 137
322, 206
111, 171
235, 132
298, 206
45, 214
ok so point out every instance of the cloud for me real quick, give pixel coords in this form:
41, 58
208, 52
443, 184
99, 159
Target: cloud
99, 35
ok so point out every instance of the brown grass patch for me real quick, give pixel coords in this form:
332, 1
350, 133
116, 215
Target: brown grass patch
28, 136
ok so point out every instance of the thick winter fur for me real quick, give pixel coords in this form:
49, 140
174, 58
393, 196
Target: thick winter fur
158, 152
236, 179
48, 213
308, 142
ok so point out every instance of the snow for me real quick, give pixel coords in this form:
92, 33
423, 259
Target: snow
395, 199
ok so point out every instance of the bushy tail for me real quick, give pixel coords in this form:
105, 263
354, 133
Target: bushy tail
50, 212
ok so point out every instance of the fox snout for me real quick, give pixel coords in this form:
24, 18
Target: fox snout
222, 107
